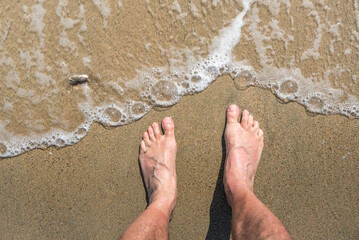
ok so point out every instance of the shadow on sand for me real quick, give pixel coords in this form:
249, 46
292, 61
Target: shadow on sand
220, 212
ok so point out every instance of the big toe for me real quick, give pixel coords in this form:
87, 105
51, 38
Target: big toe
232, 114
168, 126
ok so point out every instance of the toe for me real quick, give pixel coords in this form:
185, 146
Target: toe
168, 126
143, 146
245, 118
260, 133
255, 125
156, 130
151, 133
146, 138
232, 114
250, 121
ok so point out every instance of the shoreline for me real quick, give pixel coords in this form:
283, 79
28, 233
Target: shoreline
93, 189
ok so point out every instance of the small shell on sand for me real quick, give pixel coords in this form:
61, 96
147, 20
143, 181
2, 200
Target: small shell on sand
76, 79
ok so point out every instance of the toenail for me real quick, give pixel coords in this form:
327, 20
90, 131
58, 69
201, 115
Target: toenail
232, 108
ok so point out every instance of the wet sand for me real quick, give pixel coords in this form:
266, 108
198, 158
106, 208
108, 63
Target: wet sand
308, 175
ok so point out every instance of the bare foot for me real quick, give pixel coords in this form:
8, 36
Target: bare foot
244, 145
157, 159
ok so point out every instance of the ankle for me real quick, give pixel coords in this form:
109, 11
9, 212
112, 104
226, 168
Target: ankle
237, 193
165, 205
161, 215
163, 212
241, 197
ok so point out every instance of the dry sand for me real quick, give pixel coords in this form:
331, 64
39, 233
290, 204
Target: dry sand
308, 175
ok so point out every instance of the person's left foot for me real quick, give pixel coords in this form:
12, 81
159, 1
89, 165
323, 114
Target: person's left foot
157, 159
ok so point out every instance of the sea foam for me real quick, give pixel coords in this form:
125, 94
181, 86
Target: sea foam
41, 109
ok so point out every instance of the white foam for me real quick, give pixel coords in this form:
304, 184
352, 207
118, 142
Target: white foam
176, 7
119, 4
63, 66
186, 73
25, 58
86, 61
44, 80
65, 42
16, 145
104, 8
68, 23
313, 52
194, 9
113, 85
7, 106
347, 51
147, 46
215, 2
37, 20
4, 30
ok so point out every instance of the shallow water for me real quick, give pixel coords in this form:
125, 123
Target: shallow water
136, 59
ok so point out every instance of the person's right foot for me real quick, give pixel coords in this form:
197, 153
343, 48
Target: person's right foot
244, 145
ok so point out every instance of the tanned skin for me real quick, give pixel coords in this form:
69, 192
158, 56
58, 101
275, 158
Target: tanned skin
251, 219
158, 165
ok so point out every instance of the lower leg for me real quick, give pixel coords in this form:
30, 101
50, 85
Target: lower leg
151, 224
251, 219
157, 160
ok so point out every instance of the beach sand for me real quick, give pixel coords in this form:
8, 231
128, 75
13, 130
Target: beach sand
308, 175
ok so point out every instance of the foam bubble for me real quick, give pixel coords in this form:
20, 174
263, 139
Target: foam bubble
315, 104
196, 78
60, 142
138, 109
288, 87
114, 114
243, 79
81, 131
164, 92
112, 99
